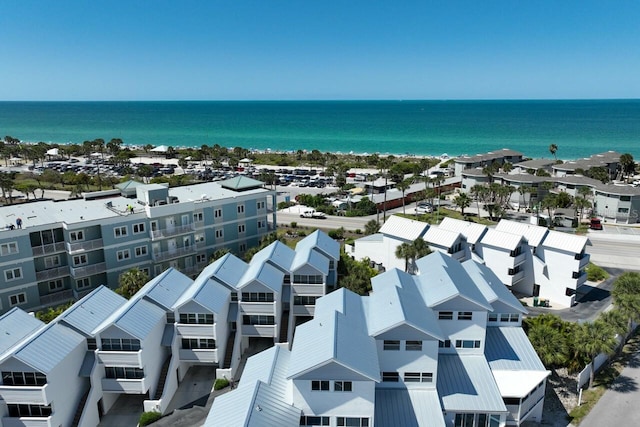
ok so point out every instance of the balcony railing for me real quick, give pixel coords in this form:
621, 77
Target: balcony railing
27, 421
193, 330
199, 355
89, 245
36, 395
88, 270
176, 253
52, 273
48, 249
124, 386
121, 358
58, 297
164, 233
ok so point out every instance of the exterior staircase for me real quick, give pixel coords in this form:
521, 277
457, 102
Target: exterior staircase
284, 326
228, 355
80, 409
163, 378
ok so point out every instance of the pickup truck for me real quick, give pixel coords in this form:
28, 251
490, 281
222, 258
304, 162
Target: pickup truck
313, 214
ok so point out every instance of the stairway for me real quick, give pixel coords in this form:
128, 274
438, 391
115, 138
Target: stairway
229, 351
80, 409
163, 378
284, 326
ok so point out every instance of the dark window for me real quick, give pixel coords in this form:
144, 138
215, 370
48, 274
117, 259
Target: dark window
390, 377
569, 292
120, 344
511, 400
445, 315
199, 343
122, 373
465, 315
196, 318
313, 421
391, 345
255, 319
24, 378
304, 300
257, 297
320, 385
25, 410
413, 346
444, 344
342, 386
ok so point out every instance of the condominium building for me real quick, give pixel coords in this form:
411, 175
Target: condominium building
63, 250
443, 348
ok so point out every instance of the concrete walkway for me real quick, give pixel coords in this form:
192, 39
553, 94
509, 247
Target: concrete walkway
619, 405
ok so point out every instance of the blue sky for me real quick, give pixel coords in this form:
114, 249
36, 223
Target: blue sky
308, 49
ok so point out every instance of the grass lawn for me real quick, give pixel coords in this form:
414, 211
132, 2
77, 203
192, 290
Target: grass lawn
435, 218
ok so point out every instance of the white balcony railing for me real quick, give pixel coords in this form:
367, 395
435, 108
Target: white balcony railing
257, 307
52, 273
201, 331
27, 421
121, 358
303, 289
175, 253
48, 249
57, 297
199, 355
175, 231
112, 385
36, 395
88, 270
304, 310
88, 245
259, 330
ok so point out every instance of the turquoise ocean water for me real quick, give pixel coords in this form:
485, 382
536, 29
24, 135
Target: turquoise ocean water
579, 128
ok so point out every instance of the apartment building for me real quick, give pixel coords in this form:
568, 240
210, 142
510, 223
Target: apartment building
443, 348
529, 259
63, 250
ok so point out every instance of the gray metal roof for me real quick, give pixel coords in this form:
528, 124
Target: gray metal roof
535, 163
264, 273
465, 384
470, 230
15, 326
532, 233
623, 190
49, 347
566, 242
137, 319
403, 228
491, 286
443, 278
508, 348
441, 237
500, 239
229, 269
277, 253
167, 288
88, 313
213, 296
408, 408
308, 256
322, 242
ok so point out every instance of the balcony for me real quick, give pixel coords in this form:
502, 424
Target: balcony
27, 422
583, 260
266, 331
48, 249
112, 385
89, 245
519, 259
459, 256
57, 297
36, 395
88, 270
199, 355
257, 307
191, 330
516, 278
127, 359
175, 253
176, 231
194, 269
579, 277
52, 273
304, 310
303, 289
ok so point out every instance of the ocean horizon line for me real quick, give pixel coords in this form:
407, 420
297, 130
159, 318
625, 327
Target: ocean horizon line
329, 100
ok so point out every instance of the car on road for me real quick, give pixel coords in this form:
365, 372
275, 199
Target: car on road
424, 207
595, 224
313, 214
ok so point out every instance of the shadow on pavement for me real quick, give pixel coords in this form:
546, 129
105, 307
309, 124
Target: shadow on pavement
624, 384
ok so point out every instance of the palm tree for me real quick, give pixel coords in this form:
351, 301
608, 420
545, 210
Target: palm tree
595, 338
548, 340
626, 296
477, 192
403, 186
523, 190
553, 148
462, 201
407, 252
550, 202
371, 227
384, 164
131, 282
628, 164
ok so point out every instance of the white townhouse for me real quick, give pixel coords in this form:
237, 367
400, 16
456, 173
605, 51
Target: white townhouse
324, 245
505, 254
444, 348
471, 231
449, 242
380, 247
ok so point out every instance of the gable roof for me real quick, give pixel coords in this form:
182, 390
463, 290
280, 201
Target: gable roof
565, 241
50, 346
533, 233
88, 313
137, 318
264, 273
322, 242
167, 288
500, 239
311, 257
278, 253
229, 269
241, 183
15, 326
403, 228
441, 237
471, 231
491, 286
442, 278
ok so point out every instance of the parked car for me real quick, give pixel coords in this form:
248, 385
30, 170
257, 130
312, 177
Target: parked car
595, 224
313, 214
424, 207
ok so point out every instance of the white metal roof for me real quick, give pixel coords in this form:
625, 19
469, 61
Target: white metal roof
264, 273
441, 237
465, 384
532, 233
313, 258
507, 348
403, 228
278, 253
565, 241
88, 313
16, 325
50, 346
491, 286
470, 230
408, 408
137, 317
500, 239
321, 242
167, 288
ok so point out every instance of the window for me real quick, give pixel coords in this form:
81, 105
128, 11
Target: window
76, 236
219, 234
198, 217
141, 251
138, 228
83, 283
17, 299
418, 377
391, 345
467, 344
509, 317
332, 264
304, 300
445, 315
23, 378
28, 410
123, 255
515, 270
257, 297
242, 247
319, 385
234, 297
260, 205
217, 213
413, 346
196, 318
9, 248
569, 292
120, 344
120, 231
55, 285
124, 373
444, 344
517, 251
465, 315
240, 209
198, 343
255, 319
262, 223
352, 422
51, 261
306, 421
198, 238
511, 400
13, 274
390, 377
200, 258
241, 228
314, 279
79, 260
342, 386
493, 317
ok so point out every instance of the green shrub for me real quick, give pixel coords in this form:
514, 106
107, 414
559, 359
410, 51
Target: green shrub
302, 233
294, 224
337, 234
595, 273
149, 417
358, 231
220, 383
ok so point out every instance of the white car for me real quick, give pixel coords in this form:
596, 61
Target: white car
424, 208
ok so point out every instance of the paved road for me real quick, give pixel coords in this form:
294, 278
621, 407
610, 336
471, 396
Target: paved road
619, 405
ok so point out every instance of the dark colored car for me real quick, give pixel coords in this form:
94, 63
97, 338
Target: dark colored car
595, 224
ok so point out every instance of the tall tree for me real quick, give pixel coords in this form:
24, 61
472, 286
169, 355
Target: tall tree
131, 281
403, 186
627, 164
407, 252
371, 227
384, 164
626, 295
595, 338
462, 201
553, 149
